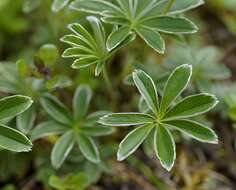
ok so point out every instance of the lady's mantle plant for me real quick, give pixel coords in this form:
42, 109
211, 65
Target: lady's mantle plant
145, 18
76, 128
11, 139
164, 116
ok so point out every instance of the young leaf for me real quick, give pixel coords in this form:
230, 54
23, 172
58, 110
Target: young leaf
13, 140
152, 38
195, 130
14, 105
62, 149
81, 101
132, 141
192, 106
176, 83
56, 109
57, 5
88, 148
126, 119
164, 147
47, 128
147, 88
25, 121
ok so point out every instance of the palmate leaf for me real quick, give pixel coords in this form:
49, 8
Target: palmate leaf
86, 48
134, 16
168, 116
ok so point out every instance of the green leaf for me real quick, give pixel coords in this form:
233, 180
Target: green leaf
13, 140
75, 40
125, 6
175, 84
195, 130
25, 121
84, 62
126, 119
170, 25
192, 106
81, 100
165, 147
62, 149
147, 88
58, 5
92, 118
115, 20
117, 37
47, 128
22, 68
178, 6
96, 130
99, 68
58, 81
99, 32
216, 72
88, 148
148, 143
14, 105
152, 38
78, 51
48, 53
183, 6
94, 6
78, 181
56, 109
132, 141
82, 33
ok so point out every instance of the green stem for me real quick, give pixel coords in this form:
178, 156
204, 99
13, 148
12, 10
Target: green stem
107, 80
110, 87
168, 6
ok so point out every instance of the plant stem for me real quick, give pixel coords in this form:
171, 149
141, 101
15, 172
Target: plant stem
110, 87
168, 6
107, 80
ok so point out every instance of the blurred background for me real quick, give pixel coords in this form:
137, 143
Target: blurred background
30, 49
